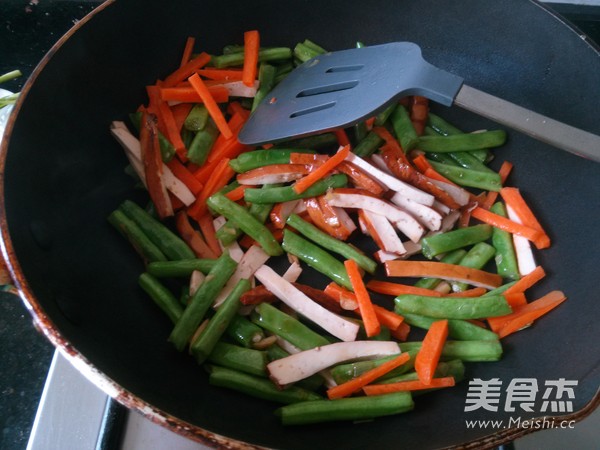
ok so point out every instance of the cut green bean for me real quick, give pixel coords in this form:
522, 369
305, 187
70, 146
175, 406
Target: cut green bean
202, 300
314, 47
258, 387
453, 307
241, 218
161, 296
10, 76
506, 259
247, 360
457, 329
473, 351
197, 118
167, 150
330, 243
489, 181
444, 158
202, 143
403, 128
452, 257
367, 146
316, 257
346, 372
169, 243
206, 341
237, 59
180, 269
444, 128
259, 158
284, 325
134, 234
360, 131
287, 193
383, 116
354, 408
468, 161
499, 290
453, 240
462, 142
476, 258
244, 332
266, 78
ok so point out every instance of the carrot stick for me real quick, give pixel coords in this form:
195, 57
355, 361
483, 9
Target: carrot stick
230, 151
236, 108
221, 74
421, 163
237, 194
307, 158
304, 183
401, 333
180, 112
367, 312
431, 350
505, 224
419, 112
504, 171
515, 201
223, 144
186, 177
530, 312
395, 289
207, 227
187, 51
187, 69
515, 299
342, 137
251, 49
173, 132
527, 281
192, 237
475, 292
380, 389
211, 105
442, 270
356, 384
216, 181
220, 94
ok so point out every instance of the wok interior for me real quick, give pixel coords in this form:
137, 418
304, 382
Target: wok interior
64, 175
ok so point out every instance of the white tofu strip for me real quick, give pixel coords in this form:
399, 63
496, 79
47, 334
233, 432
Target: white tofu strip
196, 279
401, 219
392, 182
301, 365
292, 350
525, 257
234, 249
345, 219
385, 233
339, 327
293, 272
424, 214
239, 89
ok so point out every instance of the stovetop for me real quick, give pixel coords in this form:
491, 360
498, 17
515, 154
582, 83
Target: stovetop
27, 31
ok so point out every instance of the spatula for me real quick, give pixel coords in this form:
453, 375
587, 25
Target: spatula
342, 88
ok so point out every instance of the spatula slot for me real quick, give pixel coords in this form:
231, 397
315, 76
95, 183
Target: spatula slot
312, 109
325, 89
352, 68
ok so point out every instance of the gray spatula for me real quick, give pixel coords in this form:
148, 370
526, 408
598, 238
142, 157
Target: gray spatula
342, 88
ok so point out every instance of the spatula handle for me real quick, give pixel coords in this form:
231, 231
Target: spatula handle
540, 127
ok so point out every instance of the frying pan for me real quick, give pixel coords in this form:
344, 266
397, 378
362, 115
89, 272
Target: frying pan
62, 174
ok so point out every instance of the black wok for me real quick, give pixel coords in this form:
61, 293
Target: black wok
62, 174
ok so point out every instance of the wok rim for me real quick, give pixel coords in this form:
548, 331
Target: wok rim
44, 324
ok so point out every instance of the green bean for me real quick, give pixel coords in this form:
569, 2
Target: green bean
237, 59
489, 181
266, 78
197, 118
204, 344
499, 290
134, 234
169, 243
457, 329
317, 142
451, 258
331, 243
452, 240
383, 116
346, 372
453, 368
284, 325
403, 128
259, 158
473, 351
444, 158
241, 218
452, 307
314, 47
468, 161
462, 142
444, 128
307, 50
10, 76
506, 259
181, 269
258, 387
316, 257
161, 296
287, 193
476, 258
360, 131
167, 150
244, 332
247, 360
367, 146
202, 143
354, 408
202, 300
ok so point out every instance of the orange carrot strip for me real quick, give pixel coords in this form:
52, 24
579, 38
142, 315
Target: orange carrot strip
516, 202
434, 175
207, 227
380, 389
342, 137
154, 101
367, 312
173, 132
427, 359
230, 151
187, 69
192, 237
221, 74
187, 51
219, 94
505, 224
515, 299
236, 108
307, 158
356, 384
401, 333
504, 171
530, 312
251, 49
216, 181
222, 143
180, 113
527, 281
442, 270
387, 288
421, 163
369, 123
304, 183
186, 177
318, 218
475, 292
237, 194
419, 112
211, 105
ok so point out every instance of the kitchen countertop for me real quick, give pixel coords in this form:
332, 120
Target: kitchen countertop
27, 31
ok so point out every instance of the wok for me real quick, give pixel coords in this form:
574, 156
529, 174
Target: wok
62, 174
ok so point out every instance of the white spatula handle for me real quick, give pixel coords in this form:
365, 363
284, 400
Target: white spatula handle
540, 127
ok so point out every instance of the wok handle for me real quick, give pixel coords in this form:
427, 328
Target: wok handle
542, 128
